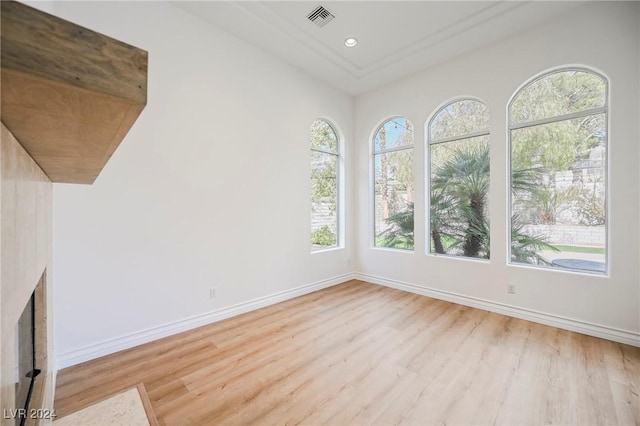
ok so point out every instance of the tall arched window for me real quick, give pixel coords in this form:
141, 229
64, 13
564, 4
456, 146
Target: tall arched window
558, 156
393, 184
458, 139
325, 181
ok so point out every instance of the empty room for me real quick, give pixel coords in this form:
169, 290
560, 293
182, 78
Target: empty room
320, 213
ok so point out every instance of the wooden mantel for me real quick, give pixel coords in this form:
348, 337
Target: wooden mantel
69, 94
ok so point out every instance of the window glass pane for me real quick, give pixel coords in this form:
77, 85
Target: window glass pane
392, 134
394, 199
323, 136
460, 118
558, 94
558, 202
459, 197
324, 200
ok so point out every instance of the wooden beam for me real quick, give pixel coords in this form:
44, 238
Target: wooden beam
69, 94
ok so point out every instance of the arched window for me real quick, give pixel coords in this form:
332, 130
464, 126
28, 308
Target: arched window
558, 157
325, 181
393, 184
458, 140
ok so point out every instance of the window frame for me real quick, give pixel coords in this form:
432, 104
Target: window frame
427, 177
510, 127
372, 189
339, 154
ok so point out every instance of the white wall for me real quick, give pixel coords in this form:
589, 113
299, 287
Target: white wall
603, 36
210, 188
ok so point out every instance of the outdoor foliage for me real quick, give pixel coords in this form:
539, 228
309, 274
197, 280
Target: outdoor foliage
459, 190
324, 184
394, 185
558, 148
399, 233
526, 248
458, 119
459, 197
564, 157
324, 237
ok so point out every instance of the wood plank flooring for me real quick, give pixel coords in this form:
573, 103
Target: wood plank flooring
360, 354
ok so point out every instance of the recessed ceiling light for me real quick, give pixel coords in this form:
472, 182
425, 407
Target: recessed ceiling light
351, 41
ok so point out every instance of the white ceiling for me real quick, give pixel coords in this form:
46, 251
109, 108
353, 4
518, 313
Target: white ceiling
396, 38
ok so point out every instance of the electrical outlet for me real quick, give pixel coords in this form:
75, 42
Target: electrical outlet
511, 288
212, 293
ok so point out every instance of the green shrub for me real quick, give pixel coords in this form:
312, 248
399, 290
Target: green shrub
324, 237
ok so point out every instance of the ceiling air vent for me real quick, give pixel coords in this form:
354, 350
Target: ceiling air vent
320, 16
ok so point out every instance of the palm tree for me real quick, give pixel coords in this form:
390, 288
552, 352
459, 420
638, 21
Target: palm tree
459, 223
459, 192
525, 248
438, 204
400, 231
459, 189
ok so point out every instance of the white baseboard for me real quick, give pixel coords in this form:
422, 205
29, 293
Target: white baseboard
107, 347
609, 333
110, 346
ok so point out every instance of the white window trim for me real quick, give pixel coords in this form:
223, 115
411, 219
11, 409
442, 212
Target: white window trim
593, 111
372, 189
427, 168
339, 153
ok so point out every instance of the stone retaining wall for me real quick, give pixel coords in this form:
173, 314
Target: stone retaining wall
570, 234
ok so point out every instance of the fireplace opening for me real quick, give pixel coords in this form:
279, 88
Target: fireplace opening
26, 363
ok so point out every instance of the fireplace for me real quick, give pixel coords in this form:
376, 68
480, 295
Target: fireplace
25, 260
26, 365
29, 361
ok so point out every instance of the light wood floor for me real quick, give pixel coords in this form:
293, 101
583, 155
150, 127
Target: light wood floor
358, 353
